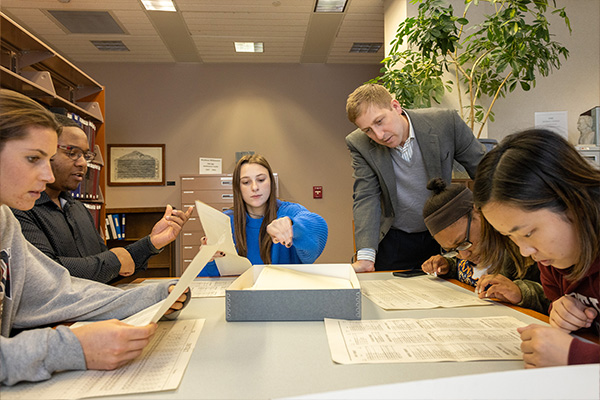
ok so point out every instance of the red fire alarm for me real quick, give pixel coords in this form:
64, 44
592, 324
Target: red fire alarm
317, 192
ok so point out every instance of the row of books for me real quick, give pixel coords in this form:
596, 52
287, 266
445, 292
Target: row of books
115, 227
89, 188
87, 126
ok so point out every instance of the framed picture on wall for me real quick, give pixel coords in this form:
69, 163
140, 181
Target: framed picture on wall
136, 164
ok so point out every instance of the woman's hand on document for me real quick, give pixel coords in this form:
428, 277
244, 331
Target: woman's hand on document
498, 287
436, 265
544, 346
111, 344
217, 253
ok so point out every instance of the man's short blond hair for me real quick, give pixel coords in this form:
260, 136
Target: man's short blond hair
367, 95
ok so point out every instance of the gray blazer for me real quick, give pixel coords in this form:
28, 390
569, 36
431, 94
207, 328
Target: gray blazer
442, 137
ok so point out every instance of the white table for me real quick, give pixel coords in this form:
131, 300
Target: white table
236, 360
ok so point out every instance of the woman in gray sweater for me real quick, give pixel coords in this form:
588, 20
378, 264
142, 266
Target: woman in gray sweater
34, 290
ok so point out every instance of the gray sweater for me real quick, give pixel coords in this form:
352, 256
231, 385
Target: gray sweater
35, 292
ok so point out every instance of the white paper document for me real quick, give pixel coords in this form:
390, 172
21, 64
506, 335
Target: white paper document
217, 228
206, 287
277, 278
156, 311
423, 340
417, 293
160, 367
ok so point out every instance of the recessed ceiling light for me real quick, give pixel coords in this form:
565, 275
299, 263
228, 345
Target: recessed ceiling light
333, 6
248, 47
365, 47
159, 5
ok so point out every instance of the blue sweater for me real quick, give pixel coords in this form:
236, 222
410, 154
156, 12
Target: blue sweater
310, 237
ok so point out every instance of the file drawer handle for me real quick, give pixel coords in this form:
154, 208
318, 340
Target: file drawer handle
227, 196
187, 179
226, 181
188, 192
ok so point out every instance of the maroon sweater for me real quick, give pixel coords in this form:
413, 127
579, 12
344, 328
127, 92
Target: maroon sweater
586, 290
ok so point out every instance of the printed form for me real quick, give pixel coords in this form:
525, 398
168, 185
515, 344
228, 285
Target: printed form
423, 340
200, 287
417, 293
207, 287
160, 367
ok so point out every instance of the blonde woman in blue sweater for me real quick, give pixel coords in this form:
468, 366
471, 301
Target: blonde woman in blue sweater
265, 229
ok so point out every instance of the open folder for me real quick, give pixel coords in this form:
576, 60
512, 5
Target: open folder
218, 236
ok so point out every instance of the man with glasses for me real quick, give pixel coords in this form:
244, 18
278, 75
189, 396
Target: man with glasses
63, 229
456, 225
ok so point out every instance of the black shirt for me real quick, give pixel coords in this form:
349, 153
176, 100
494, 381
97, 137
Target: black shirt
69, 237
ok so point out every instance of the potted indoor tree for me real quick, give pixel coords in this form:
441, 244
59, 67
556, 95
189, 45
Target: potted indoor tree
503, 51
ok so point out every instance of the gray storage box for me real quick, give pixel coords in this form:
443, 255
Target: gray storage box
291, 304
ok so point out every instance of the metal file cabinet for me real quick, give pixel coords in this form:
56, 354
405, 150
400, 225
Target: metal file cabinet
212, 189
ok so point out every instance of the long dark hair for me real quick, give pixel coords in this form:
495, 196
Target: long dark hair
537, 169
239, 210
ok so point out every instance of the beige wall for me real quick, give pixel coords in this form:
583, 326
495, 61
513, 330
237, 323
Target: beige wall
574, 88
292, 114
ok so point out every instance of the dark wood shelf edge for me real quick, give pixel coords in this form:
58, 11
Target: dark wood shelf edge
135, 210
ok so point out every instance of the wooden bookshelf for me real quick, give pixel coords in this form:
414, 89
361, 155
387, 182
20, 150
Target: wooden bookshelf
138, 224
30, 67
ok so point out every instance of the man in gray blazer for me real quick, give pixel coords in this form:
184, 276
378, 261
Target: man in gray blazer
395, 153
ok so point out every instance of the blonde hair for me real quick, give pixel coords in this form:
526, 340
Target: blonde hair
367, 95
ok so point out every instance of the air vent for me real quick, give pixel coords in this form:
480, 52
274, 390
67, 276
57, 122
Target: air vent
109, 45
97, 22
365, 47
330, 6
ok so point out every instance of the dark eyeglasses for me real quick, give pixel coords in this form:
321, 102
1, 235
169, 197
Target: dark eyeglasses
462, 246
75, 152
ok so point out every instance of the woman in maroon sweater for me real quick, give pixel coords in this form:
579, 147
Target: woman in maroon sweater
535, 189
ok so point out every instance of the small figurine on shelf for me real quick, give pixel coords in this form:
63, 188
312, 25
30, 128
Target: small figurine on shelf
584, 126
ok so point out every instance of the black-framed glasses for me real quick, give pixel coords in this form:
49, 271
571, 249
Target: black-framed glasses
462, 246
74, 153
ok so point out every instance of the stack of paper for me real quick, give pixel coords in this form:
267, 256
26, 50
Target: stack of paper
277, 278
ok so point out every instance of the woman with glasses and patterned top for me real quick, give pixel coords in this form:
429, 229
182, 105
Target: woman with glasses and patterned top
456, 225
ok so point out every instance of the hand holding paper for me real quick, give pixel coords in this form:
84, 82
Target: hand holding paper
218, 233
217, 228
155, 312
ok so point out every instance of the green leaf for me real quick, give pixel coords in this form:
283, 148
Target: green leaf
513, 39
